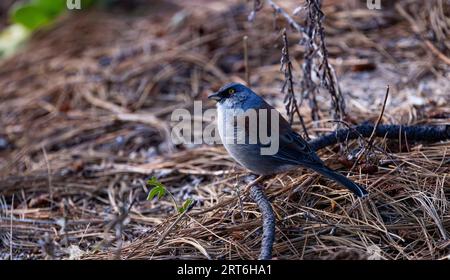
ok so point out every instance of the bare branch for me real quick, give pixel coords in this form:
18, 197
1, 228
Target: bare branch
290, 100
425, 133
268, 216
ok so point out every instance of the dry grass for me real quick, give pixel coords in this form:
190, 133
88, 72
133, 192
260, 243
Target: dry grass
85, 110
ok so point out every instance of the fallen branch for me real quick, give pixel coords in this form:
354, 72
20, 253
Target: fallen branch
257, 194
426, 133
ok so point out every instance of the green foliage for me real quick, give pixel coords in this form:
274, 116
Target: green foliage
30, 16
27, 16
158, 189
185, 206
51, 8
37, 13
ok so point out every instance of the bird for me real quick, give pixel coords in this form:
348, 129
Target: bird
235, 99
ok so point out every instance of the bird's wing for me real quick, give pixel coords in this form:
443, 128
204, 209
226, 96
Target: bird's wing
292, 147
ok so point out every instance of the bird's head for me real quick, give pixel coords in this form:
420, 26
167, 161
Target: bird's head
232, 91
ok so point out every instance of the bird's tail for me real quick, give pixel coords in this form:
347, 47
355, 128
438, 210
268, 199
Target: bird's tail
349, 184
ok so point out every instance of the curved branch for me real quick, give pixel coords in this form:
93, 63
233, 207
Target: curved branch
257, 194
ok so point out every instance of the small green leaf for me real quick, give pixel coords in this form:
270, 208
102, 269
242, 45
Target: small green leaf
154, 182
37, 13
185, 206
156, 191
51, 7
87, 3
159, 189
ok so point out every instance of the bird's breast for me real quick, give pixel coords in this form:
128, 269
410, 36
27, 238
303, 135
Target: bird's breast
246, 151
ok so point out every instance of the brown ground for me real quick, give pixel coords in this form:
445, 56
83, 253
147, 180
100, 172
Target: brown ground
85, 116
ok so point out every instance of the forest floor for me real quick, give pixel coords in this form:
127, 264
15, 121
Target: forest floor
85, 112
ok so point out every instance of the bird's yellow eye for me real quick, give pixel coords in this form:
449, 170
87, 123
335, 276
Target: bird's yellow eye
231, 91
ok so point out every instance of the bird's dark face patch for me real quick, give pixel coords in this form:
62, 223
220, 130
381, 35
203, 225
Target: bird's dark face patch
228, 91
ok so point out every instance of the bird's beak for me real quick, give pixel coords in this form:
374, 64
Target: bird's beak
215, 96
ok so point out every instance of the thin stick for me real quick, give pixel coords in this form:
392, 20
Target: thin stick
247, 69
164, 234
49, 172
291, 104
241, 204
252, 183
11, 229
178, 219
289, 19
372, 135
380, 117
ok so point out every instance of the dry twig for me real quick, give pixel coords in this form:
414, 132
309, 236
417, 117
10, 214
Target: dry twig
268, 235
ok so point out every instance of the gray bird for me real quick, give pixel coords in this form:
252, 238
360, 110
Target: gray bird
234, 100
